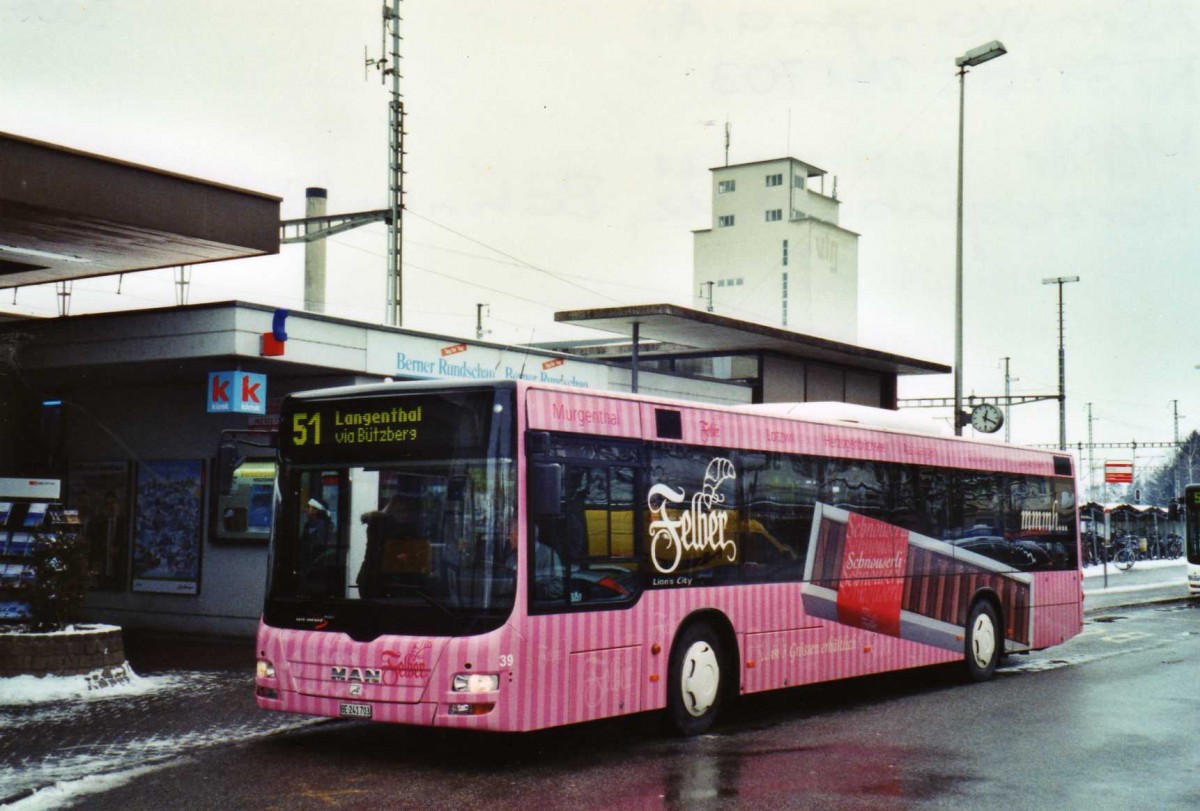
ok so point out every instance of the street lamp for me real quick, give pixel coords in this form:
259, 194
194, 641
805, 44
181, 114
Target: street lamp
1062, 362
973, 57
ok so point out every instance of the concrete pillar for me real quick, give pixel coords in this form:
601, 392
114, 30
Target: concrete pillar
314, 253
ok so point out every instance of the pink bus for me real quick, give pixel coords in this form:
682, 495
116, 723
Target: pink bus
513, 556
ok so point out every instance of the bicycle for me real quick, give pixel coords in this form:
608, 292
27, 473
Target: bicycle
1126, 551
1090, 545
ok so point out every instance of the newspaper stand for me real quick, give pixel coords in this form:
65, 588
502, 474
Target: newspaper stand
28, 508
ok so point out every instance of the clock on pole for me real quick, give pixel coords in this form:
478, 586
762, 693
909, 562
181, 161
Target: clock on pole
986, 418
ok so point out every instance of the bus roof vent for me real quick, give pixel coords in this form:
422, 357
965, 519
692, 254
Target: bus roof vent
851, 413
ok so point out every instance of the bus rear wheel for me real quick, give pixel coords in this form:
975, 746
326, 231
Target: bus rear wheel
983, 641
694, 687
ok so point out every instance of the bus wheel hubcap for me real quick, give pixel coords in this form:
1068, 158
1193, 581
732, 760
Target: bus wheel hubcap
701, 678
983, 640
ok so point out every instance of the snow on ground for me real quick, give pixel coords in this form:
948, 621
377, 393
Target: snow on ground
94, 772
59, 741
1121, 582
1097, 570
24, 690
64, 795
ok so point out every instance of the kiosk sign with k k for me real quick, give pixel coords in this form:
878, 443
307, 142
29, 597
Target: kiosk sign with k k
237, 393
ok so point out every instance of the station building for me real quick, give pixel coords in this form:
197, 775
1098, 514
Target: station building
128, 408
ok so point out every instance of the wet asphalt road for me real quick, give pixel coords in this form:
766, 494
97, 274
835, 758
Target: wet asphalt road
1106, 721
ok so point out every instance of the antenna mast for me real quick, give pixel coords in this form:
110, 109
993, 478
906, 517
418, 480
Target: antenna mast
389, 65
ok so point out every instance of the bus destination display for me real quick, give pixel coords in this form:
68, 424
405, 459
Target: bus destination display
355, 426
383, 427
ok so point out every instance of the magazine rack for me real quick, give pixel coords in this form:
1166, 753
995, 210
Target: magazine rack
28, 507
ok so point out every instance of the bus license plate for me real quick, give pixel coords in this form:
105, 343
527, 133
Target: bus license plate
354, 710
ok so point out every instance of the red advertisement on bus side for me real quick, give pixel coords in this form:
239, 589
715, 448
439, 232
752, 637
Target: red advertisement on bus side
872, 575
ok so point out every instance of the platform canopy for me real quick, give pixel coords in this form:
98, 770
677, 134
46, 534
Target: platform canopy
66, 214
675, 327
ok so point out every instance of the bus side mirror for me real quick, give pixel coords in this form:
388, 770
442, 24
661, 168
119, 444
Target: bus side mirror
227, 462
544, 497
1173, 510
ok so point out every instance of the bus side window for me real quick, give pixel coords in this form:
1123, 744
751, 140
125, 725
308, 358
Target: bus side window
548, 570
575, 499
586, 555
777, 518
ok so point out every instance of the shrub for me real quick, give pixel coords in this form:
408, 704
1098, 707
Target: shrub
60, 567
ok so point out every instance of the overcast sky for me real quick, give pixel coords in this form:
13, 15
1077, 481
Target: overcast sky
558, 157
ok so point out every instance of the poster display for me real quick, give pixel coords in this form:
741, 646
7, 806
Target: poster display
99, 491
168, 526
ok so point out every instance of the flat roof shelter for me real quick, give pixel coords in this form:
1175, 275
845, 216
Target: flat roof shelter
66, 214
781, 365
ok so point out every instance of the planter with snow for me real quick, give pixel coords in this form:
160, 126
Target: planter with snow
94, 651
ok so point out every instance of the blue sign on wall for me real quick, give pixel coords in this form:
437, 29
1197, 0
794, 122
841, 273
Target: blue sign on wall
237, 393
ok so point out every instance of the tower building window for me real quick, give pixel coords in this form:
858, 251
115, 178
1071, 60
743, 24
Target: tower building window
784, 300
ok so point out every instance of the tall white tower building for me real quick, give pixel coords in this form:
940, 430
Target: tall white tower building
775, 252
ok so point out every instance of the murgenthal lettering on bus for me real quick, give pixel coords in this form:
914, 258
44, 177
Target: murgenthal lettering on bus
695, 527
584, 416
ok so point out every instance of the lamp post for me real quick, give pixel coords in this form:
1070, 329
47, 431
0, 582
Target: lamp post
1062, 362
973, 57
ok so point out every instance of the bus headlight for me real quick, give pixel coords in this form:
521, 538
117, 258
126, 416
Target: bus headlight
475, 682
265, 670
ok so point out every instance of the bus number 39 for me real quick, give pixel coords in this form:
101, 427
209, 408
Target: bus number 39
300, 428
506, 660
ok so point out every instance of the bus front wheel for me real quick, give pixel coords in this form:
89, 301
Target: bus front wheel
694, 687
983, 642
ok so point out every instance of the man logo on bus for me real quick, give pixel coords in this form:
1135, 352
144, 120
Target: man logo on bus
362, 675
700, 527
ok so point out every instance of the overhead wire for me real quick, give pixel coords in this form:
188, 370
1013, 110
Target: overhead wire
503, 253
509, 263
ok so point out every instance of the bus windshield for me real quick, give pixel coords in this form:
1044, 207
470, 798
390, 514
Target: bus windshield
394, 515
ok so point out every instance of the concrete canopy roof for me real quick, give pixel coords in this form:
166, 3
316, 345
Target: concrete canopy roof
719, 334
66, 214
